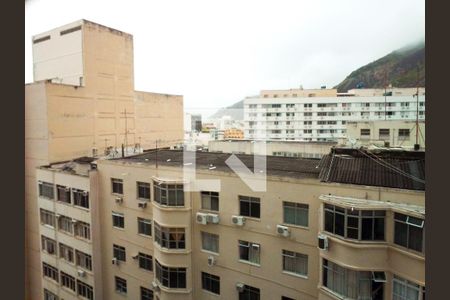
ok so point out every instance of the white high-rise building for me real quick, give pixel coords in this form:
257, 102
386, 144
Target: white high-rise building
322, 114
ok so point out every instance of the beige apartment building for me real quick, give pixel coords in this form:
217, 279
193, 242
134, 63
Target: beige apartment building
83, 103
341, 227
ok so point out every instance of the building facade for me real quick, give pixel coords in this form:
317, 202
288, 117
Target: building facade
321, 115
162, 242
83, 103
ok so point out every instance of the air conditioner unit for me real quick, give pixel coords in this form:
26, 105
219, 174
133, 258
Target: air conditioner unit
255, 247
119, 200
155, 285
74, 221
213, 218
238, 220
81, 273
136, 256
142, 204
85, 193
115, 261
323, 242
67, 189
57, 216
211, 261
202, 218
283, 230
240, 287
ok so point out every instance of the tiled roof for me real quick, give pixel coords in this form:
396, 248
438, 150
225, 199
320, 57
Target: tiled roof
404, 169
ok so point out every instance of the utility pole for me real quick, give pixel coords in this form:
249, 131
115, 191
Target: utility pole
417, 108
385, 95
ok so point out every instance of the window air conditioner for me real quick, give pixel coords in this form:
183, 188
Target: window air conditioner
155, 285
119, 200
74, 221
211, 261
213, 218
115, 261
240, 287
202, 218
81, 273
238, 220
142, 204
323, 242
136, 256
283, 230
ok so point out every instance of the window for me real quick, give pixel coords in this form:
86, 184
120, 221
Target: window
70, 30
83, 230
63, 194
210, 242
168, 194
211, 283
249, 293
170, 277
210, 200
290, 105
307, 131
406, 290
349, 283
143, 190
85, 290
365, 133
80, 198
65, 224
403, 134
321, 114
249, 251
295, 213
121, 285
307, 105
46, 190
83, 260
275, 131
49, 295
307, 114
118, 220
409, 232
119, 252
252, 106
307, 122
146, 294
68, 281
145, 261
117, 186
48, 245
294, 262
276, 105
286, 298
171, 238
404, 104
47, 217
383, 133
250, 206
66, 252
50, 272
144, 226
366, 225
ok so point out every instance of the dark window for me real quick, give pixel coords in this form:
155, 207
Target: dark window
249, 293
295, 262
119, 252
146, 294
211, 283
48, 245
170, 237
85, 290
295, 213
117, 186
143, 190
66, 252
249, 251
168, 194
70, 30
210, 242
118, 220
409, 232
145, 261
365, 225
384, 133
50, 272
63, 194
170, 277
49, 295
46, 190
144, 226
286, 298
83, 260
365, 133
42, 39
68, 281
121, 285
83, 230
47, 217
210, 200
80, 198
403, 134
250, 206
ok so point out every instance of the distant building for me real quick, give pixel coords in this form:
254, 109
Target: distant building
233, 133
386, 133
322, 114
273, 147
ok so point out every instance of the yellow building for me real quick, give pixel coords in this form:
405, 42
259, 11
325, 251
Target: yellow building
82, 103
233, 133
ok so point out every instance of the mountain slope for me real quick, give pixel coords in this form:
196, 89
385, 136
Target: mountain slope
236, 111
400, 67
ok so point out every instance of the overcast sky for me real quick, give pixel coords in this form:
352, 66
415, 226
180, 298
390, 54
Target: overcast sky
215, 53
